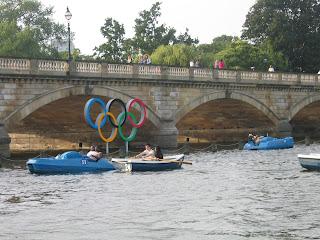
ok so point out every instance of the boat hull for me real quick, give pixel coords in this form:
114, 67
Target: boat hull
269, 143
310, 162
76, 164
139, 165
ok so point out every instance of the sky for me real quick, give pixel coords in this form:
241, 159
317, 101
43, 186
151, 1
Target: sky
205, 19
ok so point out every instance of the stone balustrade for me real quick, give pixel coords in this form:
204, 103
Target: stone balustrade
105, 70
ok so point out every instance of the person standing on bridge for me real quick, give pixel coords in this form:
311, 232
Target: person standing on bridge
271, 69
221, 64
216, 64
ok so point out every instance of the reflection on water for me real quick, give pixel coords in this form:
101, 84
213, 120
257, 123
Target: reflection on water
223, 195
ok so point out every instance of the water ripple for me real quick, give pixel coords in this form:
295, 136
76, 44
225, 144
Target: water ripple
223, 195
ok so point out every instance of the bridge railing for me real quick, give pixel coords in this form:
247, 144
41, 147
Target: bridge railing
135, 71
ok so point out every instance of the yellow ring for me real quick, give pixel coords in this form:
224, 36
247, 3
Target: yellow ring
114, 130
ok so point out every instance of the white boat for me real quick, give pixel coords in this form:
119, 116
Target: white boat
139, 164
310, 161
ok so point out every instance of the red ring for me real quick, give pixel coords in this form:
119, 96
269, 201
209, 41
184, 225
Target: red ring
143, 113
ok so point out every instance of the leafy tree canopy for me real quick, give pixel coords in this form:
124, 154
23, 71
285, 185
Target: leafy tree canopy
30, 19
243, 55
291, 27
149, 34
113, 49
207, 51
175, 55
185, 38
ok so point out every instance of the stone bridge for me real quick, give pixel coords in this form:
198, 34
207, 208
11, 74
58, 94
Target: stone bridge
41, 103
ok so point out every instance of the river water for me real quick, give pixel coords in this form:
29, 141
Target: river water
223, 195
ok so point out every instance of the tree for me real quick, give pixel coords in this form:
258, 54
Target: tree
291, 27
174, 55
243, 55
113, 49
148, 34
185, 38
18, 43
33, 21
207, 52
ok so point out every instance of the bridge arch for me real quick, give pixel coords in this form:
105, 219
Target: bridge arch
32, 105
302, 104
229, 95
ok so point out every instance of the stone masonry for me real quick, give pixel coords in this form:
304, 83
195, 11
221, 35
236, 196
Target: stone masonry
39, 93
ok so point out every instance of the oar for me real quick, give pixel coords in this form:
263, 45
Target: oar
175, 161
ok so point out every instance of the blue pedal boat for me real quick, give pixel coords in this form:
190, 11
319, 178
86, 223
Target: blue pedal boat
268, 143
68, 162
140, 165
310, 161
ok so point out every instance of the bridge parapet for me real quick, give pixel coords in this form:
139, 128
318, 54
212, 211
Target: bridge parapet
106, 70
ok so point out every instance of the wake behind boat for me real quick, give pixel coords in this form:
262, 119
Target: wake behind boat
139, 164
310, 161
68, 162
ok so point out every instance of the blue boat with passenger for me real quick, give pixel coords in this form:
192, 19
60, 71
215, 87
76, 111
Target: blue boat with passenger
68, 162
269, 143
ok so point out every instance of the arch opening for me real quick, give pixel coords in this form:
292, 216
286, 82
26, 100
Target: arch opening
56, 122
223, 120
306, 121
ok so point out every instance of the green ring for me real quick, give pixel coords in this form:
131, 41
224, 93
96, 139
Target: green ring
134, 130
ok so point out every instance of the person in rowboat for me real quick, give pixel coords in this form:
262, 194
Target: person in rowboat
148, 152
94, 154
157, 154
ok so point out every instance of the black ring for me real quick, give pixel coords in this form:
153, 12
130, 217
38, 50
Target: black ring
123, 107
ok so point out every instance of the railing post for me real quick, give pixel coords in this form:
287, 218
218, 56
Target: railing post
238, 76
135, 71
191, 73
215, 74
34, 66
72, 67
104, 69
299, 78
164, 72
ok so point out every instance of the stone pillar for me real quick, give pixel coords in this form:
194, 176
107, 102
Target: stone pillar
284, 128
166, 136
4, 141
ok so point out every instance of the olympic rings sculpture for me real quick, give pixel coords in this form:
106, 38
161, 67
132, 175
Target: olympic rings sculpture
106, 116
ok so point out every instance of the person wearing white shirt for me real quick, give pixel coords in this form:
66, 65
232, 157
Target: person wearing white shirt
94, 154
271, 69
148, 152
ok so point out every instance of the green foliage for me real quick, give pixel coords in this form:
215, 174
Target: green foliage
207, 51
148, 33
291, 27
174, 55
18, 43
185, 38
32, 29
76, 55
243, 55
113, 49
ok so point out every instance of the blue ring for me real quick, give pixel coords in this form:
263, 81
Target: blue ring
87, 109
